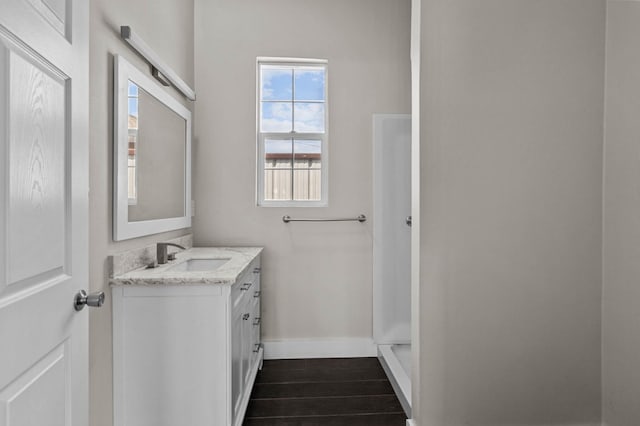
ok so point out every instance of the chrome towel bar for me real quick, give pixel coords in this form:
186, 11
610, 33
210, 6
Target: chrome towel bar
361, 218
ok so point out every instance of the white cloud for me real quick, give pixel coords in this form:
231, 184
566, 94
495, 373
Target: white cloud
278, 110
275, 125
268, 77
276, 117
309, 117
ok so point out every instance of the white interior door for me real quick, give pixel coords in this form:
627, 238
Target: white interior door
391, 230
43, 214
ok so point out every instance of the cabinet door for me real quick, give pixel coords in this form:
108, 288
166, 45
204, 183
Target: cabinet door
237, 378
247, 348
257, 324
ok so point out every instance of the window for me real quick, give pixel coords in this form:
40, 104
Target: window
292, 132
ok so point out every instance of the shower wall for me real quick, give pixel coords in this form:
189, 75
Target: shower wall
391, 230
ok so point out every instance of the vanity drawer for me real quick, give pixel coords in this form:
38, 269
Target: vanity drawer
256, 316
246, 285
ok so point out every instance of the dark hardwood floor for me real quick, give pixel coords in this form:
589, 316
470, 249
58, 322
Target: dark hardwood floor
330, 391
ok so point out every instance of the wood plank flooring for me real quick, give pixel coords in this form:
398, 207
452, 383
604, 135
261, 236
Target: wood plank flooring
330, 391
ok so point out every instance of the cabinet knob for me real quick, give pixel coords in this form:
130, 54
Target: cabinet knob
257, 320
245, 317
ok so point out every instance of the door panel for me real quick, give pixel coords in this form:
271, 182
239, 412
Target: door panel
43, 382
32, 324
38, 189
54, 12
43, 212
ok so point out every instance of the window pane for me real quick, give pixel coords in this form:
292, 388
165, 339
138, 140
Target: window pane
307, 185
133, 89
277, 184
315, 185
133, 113
272, 146
277, 84
309, 84
309, 117
306, 153
275, 117
307, 176
278, 153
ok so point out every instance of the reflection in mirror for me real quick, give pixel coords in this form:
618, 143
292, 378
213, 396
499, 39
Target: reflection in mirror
132, 124
156, 158
152, 156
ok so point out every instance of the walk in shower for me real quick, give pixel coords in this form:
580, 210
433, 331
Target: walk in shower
392, 250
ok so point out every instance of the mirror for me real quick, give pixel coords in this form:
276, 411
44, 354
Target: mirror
152, 156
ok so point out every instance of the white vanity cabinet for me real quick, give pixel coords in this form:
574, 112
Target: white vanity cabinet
246, 349
185, 354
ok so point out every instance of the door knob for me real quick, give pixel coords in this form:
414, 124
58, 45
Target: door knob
82, 298
408, 220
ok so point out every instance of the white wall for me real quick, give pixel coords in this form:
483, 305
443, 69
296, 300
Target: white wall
167, 26
510, 212
317, 279
621, 301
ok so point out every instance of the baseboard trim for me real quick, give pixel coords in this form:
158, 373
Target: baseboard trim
319, 348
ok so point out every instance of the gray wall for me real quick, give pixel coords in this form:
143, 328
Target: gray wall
317, 281
510, 212
621, 301
167, 26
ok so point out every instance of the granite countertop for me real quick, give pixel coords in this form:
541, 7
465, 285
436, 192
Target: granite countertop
240, 258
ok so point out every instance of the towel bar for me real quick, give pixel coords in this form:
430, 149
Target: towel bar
361, 218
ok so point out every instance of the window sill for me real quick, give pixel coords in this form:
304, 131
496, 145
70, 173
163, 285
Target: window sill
292, 204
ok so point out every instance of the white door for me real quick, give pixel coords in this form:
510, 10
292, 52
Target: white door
391, 228
43, 212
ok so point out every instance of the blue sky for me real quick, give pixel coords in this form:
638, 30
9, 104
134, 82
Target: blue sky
133, 99
292, 92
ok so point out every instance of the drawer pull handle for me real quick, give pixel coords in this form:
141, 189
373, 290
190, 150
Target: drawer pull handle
245, 317
257, 347
257, 293
257, 320
257, 270
246, 286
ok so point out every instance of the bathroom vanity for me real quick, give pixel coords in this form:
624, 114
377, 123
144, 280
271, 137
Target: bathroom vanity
186, 339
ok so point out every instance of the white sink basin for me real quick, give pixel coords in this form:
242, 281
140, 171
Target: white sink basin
201, 265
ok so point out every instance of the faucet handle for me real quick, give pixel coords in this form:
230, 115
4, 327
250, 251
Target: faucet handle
165, 245
161, 252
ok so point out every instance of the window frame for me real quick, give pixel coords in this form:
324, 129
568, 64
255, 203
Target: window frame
322, 137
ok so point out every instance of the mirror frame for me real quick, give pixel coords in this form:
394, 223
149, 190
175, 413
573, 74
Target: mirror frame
123, 229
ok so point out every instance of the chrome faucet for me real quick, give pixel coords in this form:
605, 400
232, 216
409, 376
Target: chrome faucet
161, 252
